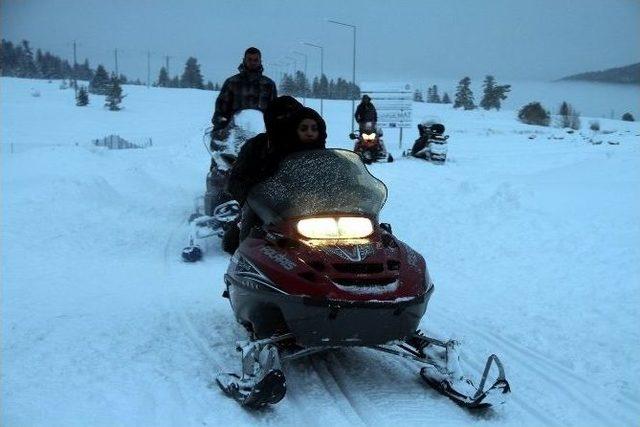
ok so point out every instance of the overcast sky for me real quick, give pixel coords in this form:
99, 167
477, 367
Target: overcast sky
396, 41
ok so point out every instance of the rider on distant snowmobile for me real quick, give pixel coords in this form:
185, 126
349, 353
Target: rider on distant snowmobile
366, 112
247, 90
290, 127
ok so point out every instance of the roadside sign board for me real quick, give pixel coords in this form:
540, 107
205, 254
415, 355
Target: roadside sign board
393, 102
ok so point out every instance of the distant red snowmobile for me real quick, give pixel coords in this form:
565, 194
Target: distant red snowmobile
369, 144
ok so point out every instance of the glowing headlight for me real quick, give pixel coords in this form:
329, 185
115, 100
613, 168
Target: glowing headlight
335, 228
369, 136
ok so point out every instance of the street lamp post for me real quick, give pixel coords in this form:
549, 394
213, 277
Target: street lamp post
321, 69
353, 76
304, 93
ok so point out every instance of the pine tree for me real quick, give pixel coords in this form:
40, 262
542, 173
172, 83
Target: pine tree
209, 85
417, 96
100, 83
563, 115
83, 97
464, 95
446, 99
323, 87
493, 93
301, 84
191, 77
487, 99
163, 78
26, 66
628, 117
216, 86
175, 82
114, 95
287, 85
331, 90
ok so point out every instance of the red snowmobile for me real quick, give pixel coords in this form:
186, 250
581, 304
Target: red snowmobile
323, 273
369, 144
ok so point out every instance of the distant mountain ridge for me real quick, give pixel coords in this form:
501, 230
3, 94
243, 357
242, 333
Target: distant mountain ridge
629, 74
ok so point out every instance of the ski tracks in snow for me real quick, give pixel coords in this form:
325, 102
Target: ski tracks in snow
589, 398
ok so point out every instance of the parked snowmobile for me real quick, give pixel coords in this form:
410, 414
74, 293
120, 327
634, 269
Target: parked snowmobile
323, 273
216, 210
431, 144
369, 144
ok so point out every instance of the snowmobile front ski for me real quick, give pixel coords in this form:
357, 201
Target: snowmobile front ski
262, 381
444, 373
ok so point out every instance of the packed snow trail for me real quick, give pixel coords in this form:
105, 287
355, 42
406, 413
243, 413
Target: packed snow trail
532, 245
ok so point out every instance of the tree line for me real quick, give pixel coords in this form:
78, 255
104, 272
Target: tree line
19, 60
321, 87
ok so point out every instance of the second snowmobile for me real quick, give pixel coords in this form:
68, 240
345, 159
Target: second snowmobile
323, 273
216, 210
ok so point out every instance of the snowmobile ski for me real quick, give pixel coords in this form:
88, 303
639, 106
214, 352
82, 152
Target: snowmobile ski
262, 381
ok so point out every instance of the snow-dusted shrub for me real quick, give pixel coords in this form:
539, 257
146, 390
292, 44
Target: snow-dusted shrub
628, 117
534, 114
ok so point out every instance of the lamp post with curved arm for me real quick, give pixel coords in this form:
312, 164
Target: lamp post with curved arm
321, 69
353, 76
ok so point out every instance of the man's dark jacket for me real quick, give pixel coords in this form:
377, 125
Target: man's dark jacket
245, 90
366, 113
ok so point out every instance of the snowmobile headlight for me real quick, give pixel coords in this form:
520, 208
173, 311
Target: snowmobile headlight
369, 136
335, 228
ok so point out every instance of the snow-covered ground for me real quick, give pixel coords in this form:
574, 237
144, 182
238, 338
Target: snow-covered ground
532, 244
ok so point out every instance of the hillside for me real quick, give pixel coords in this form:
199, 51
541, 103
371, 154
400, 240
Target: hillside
629, 74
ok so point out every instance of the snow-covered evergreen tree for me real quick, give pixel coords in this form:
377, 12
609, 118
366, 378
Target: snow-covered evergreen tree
100, 84
446, 99
432, 95
26, 66
114, 95
568, 117
417, 96
163, 78
287, 85
191, 77
301, 84
493, 93
82, 98
464, 95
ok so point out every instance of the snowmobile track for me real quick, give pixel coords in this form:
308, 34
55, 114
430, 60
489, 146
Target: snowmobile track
557, 376
334, 389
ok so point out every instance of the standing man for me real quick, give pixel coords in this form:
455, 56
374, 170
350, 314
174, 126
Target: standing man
248, 89
366, 112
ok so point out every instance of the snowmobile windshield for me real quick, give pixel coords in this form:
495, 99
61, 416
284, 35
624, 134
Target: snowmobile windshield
318, 182
246, 124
